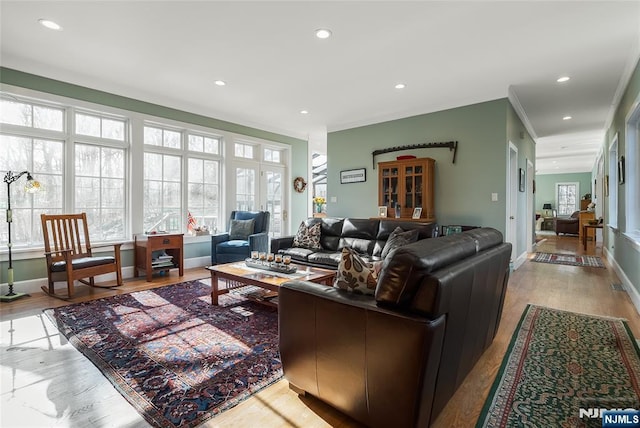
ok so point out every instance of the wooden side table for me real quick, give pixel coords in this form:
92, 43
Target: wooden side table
585, 229
145, 245
548, 223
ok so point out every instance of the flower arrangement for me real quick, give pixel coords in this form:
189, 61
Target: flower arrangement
319, 201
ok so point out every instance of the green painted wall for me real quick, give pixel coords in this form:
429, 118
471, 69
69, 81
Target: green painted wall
546, 186
623, 251
462, 190
31, 269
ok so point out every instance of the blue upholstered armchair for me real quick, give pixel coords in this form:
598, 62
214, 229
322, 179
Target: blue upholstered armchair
247, 231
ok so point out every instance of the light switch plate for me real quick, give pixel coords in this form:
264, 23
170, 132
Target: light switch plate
494, 197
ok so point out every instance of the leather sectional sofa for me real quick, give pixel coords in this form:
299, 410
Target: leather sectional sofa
568, 225
366, 236
396, 358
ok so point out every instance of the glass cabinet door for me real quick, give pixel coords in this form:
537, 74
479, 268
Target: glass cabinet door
413, 186
389, 186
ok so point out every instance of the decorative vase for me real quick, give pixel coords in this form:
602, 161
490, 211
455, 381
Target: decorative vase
397, 210
318, 208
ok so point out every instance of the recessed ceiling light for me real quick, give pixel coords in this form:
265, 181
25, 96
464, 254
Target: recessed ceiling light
400, 86
49, 24
304, 112
323, 33
220, 82
567, 118
563, 79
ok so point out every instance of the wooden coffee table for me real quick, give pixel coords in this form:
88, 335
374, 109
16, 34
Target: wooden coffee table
237, 275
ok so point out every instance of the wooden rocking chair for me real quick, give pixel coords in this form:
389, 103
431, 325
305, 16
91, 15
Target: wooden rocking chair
69, 254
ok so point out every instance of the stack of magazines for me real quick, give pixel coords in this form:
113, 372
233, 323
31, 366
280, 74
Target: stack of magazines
162, 260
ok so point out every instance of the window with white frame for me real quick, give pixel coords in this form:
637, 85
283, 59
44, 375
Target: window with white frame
203, 181
31, 139
632, 172
165, 165
81, 156
162, 137
100, 127
612, 219
567, 198
272, 155
32, 115
162, 198
203, 144
100, 189
243, 150
100, 186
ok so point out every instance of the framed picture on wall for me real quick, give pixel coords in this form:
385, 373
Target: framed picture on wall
522, 180
621, 170
606, 185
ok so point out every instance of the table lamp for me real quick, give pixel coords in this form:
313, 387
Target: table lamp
546, 208
31, 186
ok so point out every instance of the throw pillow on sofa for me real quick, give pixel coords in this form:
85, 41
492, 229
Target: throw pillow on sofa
398, 238
354, 274
241, 229
308, 237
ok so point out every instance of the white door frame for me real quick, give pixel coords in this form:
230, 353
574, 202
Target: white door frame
511, 222
530, 217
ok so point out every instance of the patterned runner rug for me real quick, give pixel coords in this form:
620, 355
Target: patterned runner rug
569, 259
559, 362
176, 358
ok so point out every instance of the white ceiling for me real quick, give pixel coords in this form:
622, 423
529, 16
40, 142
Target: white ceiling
448, 54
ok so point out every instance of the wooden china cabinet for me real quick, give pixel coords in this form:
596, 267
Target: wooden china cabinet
408, 182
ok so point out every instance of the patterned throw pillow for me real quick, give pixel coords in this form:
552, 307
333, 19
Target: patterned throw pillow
241, 229
308, 237
355, 275
398, 238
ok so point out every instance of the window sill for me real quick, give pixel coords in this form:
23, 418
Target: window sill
633, 238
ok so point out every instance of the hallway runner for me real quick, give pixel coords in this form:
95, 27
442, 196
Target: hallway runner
176, 358
559, 362
569, 259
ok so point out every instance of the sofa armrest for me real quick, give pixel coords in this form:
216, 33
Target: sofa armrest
259, 242
281, 243
342, 348
215, 240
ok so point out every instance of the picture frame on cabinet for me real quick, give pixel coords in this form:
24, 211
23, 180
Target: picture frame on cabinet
382, 211
417, 212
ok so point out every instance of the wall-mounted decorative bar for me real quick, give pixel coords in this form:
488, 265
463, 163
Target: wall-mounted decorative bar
451, 145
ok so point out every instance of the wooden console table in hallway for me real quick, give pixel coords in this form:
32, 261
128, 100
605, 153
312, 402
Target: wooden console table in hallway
585, 229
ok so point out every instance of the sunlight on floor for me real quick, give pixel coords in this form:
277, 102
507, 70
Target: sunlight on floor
44, 377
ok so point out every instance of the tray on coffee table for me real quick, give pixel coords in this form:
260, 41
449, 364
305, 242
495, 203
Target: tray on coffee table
272, 266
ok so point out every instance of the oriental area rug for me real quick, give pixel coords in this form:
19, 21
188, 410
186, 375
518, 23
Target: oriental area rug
560, 362
176, 358
569, 259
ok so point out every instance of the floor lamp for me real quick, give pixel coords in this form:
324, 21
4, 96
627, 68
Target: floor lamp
32, 186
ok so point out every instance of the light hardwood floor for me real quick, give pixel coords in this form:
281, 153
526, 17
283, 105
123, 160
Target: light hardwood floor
46, 382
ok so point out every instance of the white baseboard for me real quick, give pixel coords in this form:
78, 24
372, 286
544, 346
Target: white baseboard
33, 285
520, 260
634, 295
